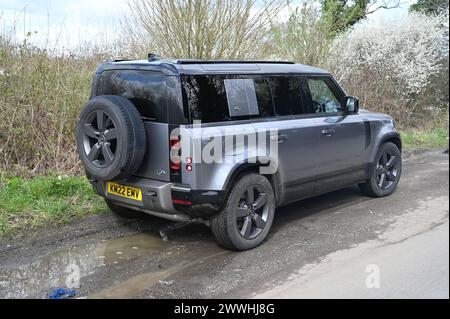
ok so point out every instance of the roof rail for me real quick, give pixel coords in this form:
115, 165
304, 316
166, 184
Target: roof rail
153, 57
230, 62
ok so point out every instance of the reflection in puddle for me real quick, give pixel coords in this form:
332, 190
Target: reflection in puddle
52, 271
133, 286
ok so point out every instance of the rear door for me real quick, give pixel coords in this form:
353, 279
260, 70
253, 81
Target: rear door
297, 138
341, 145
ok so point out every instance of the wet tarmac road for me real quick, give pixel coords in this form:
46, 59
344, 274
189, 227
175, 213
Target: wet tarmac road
153, 258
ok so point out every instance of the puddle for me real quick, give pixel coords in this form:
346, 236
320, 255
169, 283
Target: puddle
126, 248
133, 286
74, 263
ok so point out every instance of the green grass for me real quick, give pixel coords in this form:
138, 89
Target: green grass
425, 139
26, 204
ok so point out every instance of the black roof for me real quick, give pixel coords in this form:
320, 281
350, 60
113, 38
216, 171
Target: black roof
193, 67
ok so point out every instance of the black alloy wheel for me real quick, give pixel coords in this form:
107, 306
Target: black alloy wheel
111, 138
247, 217
99, 138
386, 171
252, 212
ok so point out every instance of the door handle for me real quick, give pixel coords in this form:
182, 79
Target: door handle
280, 138
328, 132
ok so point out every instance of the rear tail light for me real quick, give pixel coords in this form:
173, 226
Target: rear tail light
175, 150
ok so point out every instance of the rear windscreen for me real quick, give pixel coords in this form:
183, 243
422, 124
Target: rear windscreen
146, 89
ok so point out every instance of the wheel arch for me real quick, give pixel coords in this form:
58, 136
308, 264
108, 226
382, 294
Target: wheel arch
393, 137
245, 168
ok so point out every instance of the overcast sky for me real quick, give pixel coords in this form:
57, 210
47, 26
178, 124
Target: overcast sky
70, 22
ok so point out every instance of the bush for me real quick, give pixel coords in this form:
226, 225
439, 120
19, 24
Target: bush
389, 65
41, 95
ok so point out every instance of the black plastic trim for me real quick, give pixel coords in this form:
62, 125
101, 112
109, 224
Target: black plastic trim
368, 133
204, 203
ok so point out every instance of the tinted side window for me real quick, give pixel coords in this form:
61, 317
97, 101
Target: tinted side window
264, 98
206, 98
147, 90
286, 92
325, 96
217, 98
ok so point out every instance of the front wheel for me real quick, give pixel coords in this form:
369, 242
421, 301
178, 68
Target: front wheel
247, 216
386, 172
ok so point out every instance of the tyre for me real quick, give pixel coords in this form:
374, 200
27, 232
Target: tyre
248, 214
386, 172
122, 211
110, 137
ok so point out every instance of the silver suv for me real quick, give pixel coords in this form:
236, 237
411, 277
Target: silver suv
227, 142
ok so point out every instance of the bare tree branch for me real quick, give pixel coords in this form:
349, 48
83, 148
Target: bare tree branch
200, 29
384, 4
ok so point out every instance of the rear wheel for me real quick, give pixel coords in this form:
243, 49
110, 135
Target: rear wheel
248, 214
386, 172
122, 211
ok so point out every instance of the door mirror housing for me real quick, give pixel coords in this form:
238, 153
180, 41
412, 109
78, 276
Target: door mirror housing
352, 104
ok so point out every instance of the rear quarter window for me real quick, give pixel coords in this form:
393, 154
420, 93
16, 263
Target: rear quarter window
218, 98
146, 89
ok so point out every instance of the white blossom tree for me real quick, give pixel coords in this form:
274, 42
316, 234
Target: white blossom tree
405, 51
388, 64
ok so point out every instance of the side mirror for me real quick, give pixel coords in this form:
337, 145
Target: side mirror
352, 104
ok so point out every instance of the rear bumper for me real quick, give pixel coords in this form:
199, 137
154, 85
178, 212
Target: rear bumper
158, 199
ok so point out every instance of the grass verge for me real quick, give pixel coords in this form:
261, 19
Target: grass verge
26, 204
425, 139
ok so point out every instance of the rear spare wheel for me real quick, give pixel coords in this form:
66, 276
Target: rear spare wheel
110, 137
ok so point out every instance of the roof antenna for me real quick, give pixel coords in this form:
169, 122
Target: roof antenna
153, 57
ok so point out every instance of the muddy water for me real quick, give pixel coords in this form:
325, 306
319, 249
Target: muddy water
133, 286
66, 266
